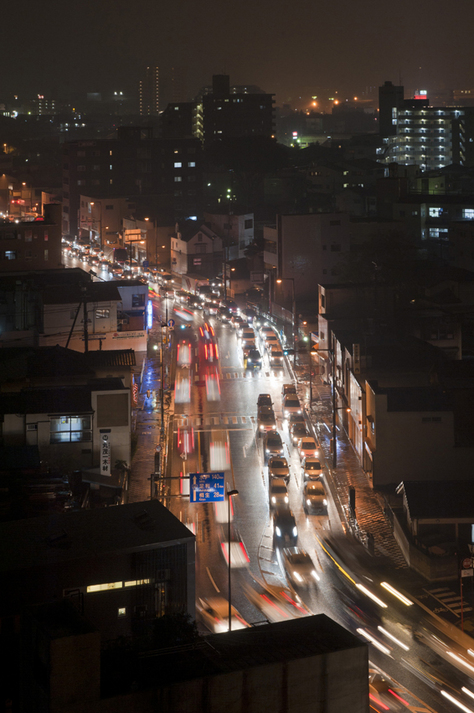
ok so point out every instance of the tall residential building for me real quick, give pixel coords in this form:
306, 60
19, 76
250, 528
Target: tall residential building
222, 111
418, 134
150, 92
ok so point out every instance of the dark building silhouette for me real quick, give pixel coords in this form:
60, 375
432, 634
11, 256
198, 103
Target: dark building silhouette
390, 100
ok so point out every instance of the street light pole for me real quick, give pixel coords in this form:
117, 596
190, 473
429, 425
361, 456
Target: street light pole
230, 494
293, 312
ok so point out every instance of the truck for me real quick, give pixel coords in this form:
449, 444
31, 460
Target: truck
193, 283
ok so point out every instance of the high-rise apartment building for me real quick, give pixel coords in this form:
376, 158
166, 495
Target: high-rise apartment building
150, 92
416, 133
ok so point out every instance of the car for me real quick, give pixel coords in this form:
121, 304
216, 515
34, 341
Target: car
311, 468
211, 309
297, 431
214, 614
238, 553
288, 389
276, 603
230, 305
223, 314
237, 322
265, 329
291, 404
271, 340
253, 359
266, 420
308, 448
278, 467
248, 338
272, 445
299, 567
195, 303
277, 493
285, 532
275, 357
315, 498
264, 400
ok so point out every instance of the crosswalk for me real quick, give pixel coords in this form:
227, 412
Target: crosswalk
449, 600
219, 420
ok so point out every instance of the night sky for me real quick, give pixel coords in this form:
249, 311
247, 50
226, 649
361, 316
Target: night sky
67, 48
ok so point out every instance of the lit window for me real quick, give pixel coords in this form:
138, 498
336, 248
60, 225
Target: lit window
10, 255
178, 179
434, 212
46, 255
191, 164
102, 313
468, 213
136, 582
178, 164
70, 429
122, 612
103, 587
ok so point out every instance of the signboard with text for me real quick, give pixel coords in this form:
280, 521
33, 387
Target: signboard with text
105, 453
206, 487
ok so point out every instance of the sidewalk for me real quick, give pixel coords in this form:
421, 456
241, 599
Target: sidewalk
370, 521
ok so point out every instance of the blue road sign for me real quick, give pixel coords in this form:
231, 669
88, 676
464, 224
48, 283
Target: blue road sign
145, 263
206, 487
171, 323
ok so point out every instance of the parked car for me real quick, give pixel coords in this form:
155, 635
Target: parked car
277, 493
285, 532
308, 448
315, 498
299, 567
278, 467
291, 404
272, 445
311, 468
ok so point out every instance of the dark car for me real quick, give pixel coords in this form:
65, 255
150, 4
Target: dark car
285, 532
253, 359
264, 400
272, 445
224, 314
297, 431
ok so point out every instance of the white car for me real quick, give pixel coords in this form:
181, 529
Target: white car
266, 420
277, 493
299, 567
308, 448
291, 404
315, 500
214, 614
312, 469
278, 468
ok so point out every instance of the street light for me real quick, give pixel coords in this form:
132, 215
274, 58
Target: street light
293, 310
230, 494
232, 269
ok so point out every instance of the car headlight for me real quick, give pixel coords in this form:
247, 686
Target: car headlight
286, 498
295, 531
262, 428
273, 499
267, 450
249, 361
297, 576
308, 502
278, 531
325, 502
315, 575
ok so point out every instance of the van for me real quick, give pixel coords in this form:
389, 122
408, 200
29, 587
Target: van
275, 356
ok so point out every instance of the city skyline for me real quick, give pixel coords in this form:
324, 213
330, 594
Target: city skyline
74, 50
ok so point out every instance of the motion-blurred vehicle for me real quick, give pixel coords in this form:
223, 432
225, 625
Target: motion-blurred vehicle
277, 493
214, 614
229, 305
249, 315
264, 400
238, 323
308, 448
275, 602
315, 498
291, 404
285, 532
299, 567
238, 553
383, 696
278, 468
266, 420
264, 330
271, 340
252, 359
272, 445
223, 314
311, 468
